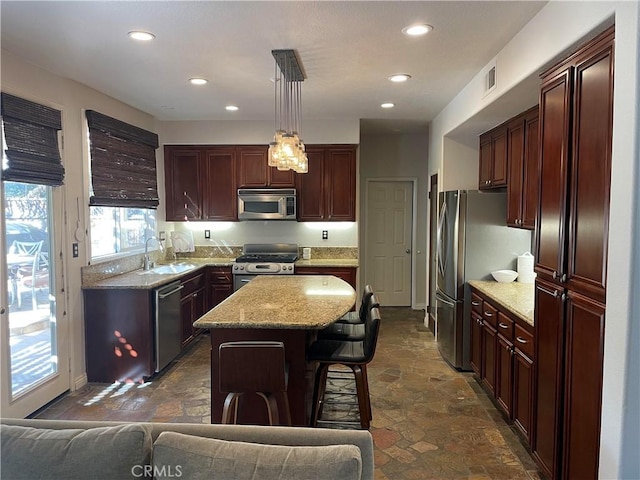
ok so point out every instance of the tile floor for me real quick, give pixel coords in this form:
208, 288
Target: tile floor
429, 421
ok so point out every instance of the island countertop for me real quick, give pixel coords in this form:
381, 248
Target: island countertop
305, 302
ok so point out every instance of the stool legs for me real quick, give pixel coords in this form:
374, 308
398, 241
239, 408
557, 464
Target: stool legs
230, 408
362, 389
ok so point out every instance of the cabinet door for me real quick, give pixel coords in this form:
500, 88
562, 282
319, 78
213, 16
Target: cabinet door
252, 167
554, 132
348, 274
484, 177
281, 178
183, 173
531, 178
516, 141
476, 343
489, 345
523, 394
221, 201
219, 292
549, 342
504, 374
340, 184
499, 160
591, 170
583, 386
311, 188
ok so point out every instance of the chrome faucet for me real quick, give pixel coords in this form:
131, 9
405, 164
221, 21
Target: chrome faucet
146, 263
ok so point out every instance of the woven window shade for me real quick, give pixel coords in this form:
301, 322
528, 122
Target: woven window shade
123, 163
31, 137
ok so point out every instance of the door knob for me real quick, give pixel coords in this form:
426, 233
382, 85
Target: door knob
408, 250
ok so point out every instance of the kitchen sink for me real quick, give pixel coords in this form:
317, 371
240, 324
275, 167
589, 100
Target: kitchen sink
168, 269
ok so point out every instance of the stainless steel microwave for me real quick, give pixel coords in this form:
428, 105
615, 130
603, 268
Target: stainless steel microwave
266, 204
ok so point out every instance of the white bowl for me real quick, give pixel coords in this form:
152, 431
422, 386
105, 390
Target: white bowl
504, 276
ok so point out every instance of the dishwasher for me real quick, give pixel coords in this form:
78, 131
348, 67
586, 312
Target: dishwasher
167, 324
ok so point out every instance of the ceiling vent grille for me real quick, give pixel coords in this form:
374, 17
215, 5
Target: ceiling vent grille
490, 80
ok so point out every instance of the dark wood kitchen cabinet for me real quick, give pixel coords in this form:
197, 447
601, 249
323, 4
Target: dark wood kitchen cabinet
200, 183
501, 357
522, 159
327, 192
576, 115
119, 326
193, 304
220, 285
254, 171
493, 158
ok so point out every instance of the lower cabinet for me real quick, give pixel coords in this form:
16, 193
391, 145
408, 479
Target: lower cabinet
220, 285
193, 304
502, 358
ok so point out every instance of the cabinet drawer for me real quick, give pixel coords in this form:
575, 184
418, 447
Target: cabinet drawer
220, 275
523, 341
476, 304
490, 314
505, 326
193, 283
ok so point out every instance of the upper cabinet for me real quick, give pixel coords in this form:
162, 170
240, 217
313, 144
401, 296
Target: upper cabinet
493, 158
200, 183
327, 192
254, 172
522, 159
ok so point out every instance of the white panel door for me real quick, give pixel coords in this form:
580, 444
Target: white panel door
388, 241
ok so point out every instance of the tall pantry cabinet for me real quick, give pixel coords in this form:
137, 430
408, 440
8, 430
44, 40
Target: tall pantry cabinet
576, 112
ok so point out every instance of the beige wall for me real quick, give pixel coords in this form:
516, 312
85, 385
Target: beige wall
403, 157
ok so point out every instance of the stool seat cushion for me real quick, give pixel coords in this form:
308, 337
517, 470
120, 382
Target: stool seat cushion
337, 351
205, 458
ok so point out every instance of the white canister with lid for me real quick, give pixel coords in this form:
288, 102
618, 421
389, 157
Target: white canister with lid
525, 268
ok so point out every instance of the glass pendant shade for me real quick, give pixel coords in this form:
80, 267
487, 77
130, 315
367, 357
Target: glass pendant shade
287, 151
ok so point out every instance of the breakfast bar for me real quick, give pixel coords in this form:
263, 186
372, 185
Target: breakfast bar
289, 309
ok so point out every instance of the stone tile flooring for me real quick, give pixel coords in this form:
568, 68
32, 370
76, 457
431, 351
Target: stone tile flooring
429, 421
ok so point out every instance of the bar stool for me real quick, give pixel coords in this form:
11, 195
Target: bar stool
254, 367
351, 330
351, 354
358, 317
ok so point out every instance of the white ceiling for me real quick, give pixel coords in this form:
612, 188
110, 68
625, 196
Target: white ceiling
347, 50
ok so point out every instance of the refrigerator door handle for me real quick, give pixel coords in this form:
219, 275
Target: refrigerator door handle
442, 254
441, 298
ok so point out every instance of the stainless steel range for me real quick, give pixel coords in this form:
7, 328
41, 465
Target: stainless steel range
264, 259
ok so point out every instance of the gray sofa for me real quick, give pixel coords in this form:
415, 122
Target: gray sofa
67, 449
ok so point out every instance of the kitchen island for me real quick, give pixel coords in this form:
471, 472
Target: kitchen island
289, 309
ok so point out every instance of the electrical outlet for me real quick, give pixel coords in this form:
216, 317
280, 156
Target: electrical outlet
207, 234
75, 250
325, 234
161, 236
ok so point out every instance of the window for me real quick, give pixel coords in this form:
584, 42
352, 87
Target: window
120, 229
123, 178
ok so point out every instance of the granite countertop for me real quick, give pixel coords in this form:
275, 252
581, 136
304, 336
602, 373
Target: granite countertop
515, 297
283, 302
140, 279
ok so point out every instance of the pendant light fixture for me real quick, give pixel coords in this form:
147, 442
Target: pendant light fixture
287, 151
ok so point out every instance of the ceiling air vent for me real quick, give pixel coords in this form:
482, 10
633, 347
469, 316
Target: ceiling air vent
490, 80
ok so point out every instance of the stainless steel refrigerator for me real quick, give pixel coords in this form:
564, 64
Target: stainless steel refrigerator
473, 240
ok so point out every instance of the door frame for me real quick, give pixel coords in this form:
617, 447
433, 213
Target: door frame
430, 316
414, 221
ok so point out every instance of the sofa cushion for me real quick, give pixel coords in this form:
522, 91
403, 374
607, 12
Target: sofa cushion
106, 452
206, 458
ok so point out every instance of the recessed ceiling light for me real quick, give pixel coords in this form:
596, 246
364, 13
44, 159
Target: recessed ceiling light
198, 81
388, 105
140, 35
231, 108
416, 30
399, 77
